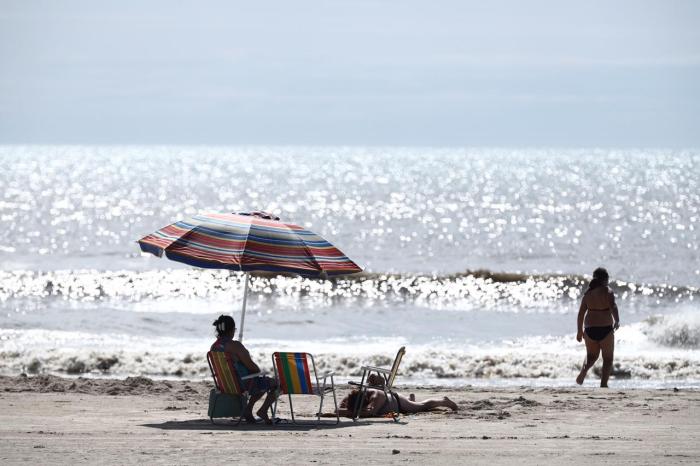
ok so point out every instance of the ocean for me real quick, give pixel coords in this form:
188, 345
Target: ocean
475, 260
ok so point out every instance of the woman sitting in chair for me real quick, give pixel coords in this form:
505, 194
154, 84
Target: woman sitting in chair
258, 386
378, 404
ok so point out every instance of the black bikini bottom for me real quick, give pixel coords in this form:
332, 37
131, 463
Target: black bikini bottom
387, 405
398, 403
598, 333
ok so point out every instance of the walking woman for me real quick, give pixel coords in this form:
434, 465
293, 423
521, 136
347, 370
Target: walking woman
597, 321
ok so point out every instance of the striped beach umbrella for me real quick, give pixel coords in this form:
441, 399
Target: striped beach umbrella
250, 241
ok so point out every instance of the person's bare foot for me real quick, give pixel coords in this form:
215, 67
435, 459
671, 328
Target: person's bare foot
451, 404
412, 397
249, 418
581, 377
262, 414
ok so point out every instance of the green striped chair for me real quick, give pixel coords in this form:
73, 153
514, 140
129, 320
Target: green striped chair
230, 393
293, 374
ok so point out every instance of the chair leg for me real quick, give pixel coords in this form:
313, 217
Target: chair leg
359, 400
320, 406
335, 401
291, 408
211, 418
358, 403
274, 404
244, 407
320, 410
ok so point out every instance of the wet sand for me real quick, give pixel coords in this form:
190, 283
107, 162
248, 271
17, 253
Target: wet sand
51, 420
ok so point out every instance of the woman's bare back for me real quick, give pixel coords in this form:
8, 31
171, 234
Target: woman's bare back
599, 302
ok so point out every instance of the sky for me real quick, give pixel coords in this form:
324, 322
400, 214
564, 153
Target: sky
505, 73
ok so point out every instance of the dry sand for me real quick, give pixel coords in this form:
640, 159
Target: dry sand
47, 420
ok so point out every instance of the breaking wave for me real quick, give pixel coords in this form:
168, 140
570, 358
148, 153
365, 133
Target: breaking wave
637, 356
426, 365
676, 331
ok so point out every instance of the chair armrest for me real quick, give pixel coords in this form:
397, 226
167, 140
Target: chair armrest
250, 376
381, 370
327, 374
367, 385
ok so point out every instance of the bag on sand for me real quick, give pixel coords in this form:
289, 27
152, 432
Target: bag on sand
224, 405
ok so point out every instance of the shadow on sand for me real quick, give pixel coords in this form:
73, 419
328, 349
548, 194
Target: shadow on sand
284, 424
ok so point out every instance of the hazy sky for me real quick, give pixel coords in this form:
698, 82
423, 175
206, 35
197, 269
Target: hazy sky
443, 73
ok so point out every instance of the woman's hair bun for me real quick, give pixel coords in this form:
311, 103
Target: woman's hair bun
600, 278
223, 324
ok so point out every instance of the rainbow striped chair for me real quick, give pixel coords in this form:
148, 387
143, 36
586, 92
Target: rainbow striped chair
230, 395
293, 374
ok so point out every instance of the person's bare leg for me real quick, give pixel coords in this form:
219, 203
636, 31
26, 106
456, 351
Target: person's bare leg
408, 406
607, 347
262, 412
592, 351
249, 409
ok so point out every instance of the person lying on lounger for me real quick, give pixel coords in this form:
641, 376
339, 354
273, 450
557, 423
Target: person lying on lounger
378, 404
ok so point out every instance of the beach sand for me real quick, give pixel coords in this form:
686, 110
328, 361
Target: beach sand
47, 419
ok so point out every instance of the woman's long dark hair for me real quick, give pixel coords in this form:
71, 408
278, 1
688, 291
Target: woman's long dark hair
224, 324
352, 399
600, 278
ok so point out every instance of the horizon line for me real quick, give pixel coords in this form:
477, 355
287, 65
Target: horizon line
358, 146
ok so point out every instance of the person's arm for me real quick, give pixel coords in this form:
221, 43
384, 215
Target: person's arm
372, 406
243, 356
613, 308
579, 320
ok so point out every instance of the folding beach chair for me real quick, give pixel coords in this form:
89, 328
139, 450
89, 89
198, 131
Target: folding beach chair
293, 374
231, 396
387, 376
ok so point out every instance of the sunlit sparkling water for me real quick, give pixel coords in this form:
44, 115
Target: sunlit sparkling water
75, 292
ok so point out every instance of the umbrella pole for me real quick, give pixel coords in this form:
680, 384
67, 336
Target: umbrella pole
245, 300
